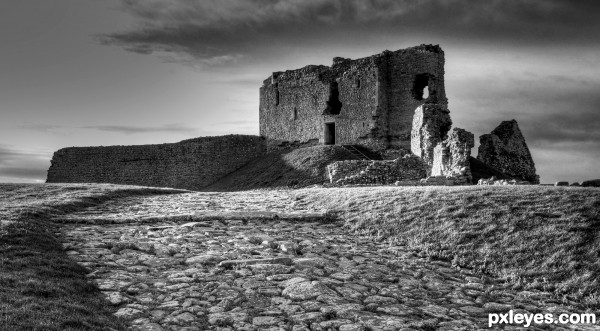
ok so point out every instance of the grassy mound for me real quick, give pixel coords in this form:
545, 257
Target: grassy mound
298, 168
533, 237
41, 288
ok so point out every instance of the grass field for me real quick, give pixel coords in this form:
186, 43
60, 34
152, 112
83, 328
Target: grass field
533, 237
40, 287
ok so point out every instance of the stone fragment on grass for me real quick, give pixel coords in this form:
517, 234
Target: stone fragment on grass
306, 290
265, 321
128, 313
204, 259
497, 307
116, 298
275, 260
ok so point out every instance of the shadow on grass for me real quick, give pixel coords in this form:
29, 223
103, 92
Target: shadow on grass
41, 288
291, 169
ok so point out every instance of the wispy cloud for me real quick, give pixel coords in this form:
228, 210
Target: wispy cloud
217, 32
41, 127
552, 109
21, 164
124, 129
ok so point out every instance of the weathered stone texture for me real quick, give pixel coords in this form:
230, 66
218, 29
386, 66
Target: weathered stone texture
189, 164
430, 126
505, 149
451, 157
371, 101
408, 167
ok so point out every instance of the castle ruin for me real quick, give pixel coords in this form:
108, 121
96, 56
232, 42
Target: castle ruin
393, 103
369, 101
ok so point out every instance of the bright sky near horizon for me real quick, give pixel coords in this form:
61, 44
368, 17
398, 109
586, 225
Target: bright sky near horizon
125, 72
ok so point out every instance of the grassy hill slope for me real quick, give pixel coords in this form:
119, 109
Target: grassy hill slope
298, 168
532, 237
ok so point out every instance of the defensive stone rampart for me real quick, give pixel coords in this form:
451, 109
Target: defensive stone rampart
189, 164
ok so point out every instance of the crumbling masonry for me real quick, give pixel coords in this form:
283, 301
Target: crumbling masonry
392, 100
369, 101
393, 103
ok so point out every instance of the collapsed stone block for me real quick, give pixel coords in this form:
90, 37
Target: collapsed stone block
505, 149
431, 123
407, 168
451, 157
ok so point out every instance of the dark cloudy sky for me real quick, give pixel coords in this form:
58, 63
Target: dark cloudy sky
120, 72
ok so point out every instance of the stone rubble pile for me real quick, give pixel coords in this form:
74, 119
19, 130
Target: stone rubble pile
493, 181
277, 274
352, 172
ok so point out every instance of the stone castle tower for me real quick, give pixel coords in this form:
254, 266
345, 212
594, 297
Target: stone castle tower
369, 101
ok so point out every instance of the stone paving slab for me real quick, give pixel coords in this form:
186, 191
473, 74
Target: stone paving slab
264, 261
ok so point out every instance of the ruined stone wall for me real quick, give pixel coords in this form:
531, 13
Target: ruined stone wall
371, 100
189, 164
451, 157
291, 106
505, 149
429, 128
358, 93
407, 73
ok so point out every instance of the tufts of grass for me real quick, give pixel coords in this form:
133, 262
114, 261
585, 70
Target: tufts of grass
532, 237
41, 288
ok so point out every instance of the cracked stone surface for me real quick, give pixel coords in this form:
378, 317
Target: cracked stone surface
265, 261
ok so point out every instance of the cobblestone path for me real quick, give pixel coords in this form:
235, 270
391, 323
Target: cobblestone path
263, 261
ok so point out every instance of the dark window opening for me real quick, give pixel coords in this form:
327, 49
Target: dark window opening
329, 134
421, 86
295, 113
357, 83
276, 94
334, 106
